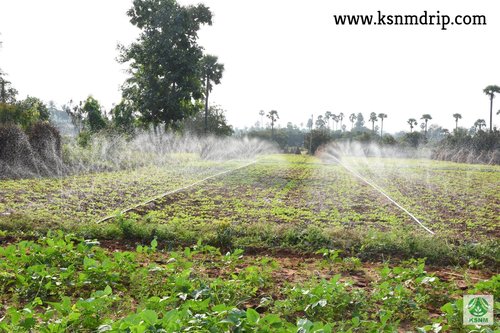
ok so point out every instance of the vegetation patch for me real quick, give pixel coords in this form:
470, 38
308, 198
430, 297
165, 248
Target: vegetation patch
60, 283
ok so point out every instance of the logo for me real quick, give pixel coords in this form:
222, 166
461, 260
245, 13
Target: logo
478, 309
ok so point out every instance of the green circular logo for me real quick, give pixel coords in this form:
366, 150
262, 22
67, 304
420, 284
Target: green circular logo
478, 307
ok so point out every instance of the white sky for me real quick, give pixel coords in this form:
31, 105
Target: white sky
283, 55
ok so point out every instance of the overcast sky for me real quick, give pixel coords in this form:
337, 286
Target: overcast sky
283, 55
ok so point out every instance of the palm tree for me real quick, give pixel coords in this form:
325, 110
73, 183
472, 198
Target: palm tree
341, 117
457, 116
412, 122
273, 115
328, 115
333, 117
491, 91
382, 116
262, 113
212, 72
310, 123
373, 119
352, 118
426, 117
480, 123
336, 119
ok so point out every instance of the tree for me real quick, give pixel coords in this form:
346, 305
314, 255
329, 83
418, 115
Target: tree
412, 122
341, 117
491, 91
7, 92
123, 117
373, 119
165, 83
316, 138
426, 117
320, 122
336, 119
479, 124
262, 113
382, 116
24, 113
352, 118
75, 114
273, 116
310, 123
212, 72
93, 116
35, 108
457, 116
328, 116
413, 139
217, 122
360, 122
436, 133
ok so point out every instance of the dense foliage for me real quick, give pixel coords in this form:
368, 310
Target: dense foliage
64, 284
213, 122
24, 113
166, 82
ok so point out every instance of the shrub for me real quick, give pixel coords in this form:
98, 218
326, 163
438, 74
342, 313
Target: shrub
45, 141
17, 158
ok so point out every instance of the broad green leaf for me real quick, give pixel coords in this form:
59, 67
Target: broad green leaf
253, 316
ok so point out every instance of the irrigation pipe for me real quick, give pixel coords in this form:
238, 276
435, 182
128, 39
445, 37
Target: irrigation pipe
174, 191
384, 194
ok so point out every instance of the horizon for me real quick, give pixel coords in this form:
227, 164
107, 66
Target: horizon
296, 61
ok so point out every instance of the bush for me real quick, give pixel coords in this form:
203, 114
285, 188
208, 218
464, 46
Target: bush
37, 153
17, 158
483, 147
45, 141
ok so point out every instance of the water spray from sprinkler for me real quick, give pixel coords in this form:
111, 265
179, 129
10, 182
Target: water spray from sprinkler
180, 189
356, 174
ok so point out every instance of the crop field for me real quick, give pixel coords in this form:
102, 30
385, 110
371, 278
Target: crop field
301, 193
460, 202
84, 199
285, 243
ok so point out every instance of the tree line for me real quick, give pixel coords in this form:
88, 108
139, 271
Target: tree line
357, 121
466, 145
170, 79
